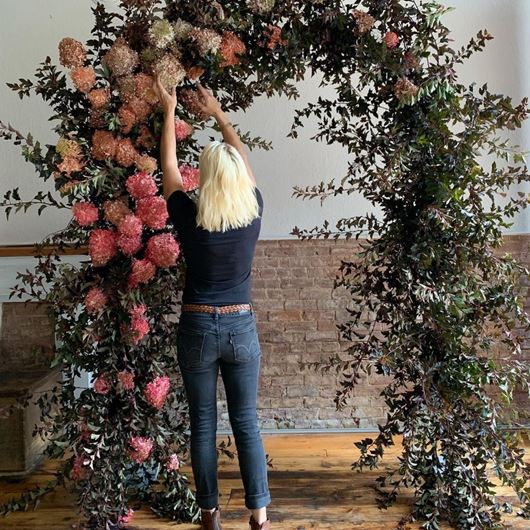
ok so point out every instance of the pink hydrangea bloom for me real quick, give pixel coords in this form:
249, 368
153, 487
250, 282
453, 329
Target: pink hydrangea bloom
102, 246
163, 250
124, 519
173, 462
131, 226
156, 391
153, 212
102, 385
141, 185
85, 213
190, 177
126, 380
141, 448
391, 40
141, 272
129, 245
95, 300
138, 311
139, 324
182, 129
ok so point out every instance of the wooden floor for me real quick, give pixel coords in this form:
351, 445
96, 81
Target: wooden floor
311, 483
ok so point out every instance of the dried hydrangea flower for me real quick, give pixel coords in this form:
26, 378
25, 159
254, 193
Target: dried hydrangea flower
146, 164
261, 7
70, 165
144, 88
365, 21
97, 118
72, 53
194, 72
206, 40
84, 78
116, 210
231, 49
126, 86
127, 119
170, 71
99, 97
275, 37
103, 145
190, 101
405, 89
181, 29
391, 40
125, 152
120, 59
161, 33
145, 138
140, 107
67, 147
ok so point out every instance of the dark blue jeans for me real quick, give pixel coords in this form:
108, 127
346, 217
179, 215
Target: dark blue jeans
207, 342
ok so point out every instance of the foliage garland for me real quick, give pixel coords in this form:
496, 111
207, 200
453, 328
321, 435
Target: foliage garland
430, 297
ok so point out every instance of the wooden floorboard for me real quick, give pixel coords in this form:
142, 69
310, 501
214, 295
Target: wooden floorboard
311, 484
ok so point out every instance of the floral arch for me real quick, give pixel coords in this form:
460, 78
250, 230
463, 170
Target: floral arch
439, 298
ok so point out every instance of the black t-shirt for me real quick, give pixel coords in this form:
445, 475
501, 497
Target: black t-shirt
218, 264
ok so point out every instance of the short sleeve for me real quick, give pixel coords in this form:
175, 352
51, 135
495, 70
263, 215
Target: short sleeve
181, 209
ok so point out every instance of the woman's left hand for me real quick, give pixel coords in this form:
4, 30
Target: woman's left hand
168, 101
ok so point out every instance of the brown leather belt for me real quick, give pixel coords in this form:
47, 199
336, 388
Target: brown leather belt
201, 308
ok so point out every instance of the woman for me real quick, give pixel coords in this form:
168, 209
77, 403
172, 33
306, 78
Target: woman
217, 329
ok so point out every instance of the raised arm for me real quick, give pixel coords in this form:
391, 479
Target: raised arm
212, 107
172, 179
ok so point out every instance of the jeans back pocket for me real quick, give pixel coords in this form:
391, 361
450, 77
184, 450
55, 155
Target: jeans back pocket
245, 343
190, 346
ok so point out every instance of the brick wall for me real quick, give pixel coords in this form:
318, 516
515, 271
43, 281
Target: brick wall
296, 310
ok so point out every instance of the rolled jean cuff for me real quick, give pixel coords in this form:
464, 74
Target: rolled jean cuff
208, 501
255, 502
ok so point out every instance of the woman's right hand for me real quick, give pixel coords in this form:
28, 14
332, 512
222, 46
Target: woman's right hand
168, 100
208, 103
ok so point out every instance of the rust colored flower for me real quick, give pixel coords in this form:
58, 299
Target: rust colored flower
405, 89
146, 164
99, 97
84, 78
72, 53
103, 145
71, 164
125, 152
365, 22
231, 49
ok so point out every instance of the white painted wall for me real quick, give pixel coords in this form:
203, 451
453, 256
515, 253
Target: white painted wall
31, 29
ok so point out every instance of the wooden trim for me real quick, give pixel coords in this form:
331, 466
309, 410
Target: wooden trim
9, 251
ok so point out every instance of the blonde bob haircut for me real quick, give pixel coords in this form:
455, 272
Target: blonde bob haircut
227, 198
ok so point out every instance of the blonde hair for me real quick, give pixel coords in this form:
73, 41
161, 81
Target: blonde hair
227, 198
